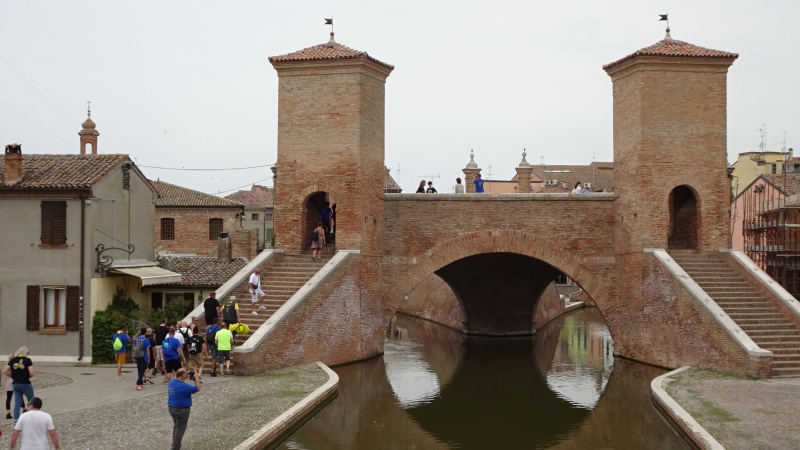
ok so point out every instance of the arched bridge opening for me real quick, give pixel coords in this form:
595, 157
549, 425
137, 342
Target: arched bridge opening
499, 291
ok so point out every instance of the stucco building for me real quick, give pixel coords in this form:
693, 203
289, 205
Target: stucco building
258, 212
75, 228
749, 165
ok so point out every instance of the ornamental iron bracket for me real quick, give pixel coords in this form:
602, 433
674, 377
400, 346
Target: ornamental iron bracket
105, 261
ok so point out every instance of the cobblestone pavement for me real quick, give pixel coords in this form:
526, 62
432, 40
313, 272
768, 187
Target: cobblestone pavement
95, 411
741, 413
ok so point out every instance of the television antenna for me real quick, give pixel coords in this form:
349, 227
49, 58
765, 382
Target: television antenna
763, 133
489, 172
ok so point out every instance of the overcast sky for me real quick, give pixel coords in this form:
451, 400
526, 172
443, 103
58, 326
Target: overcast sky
187, 84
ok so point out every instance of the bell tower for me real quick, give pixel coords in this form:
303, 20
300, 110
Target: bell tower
88, 133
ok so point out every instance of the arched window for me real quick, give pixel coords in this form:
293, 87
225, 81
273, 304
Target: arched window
167, 229
214, 229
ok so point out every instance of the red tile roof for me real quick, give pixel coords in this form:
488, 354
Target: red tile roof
327, 51
672, 47
389, 185
62, 171
788, 183
172, 195
599, 174
203, 271
257, 197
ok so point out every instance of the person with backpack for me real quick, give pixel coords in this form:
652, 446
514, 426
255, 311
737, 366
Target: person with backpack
161, 333
184, 334
230, 314
317, 241
211, 344
118, 341
197, 352
139, 352
173, 355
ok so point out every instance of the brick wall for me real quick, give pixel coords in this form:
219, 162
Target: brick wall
548, 307
192, 228
434, 300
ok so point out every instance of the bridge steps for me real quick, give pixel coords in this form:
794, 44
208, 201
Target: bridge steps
279, 282
752, 311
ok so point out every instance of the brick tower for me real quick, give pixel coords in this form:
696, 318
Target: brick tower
330, 145
670, 147
88, 134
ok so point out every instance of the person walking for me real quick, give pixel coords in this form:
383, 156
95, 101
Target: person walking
431, 189
255, 286
325, 217
20, 369
197, 352
478, 181
118, 340
35, 426
211, 344
458, 188
421, 188
183, 334
223, 341
139, 352
161, 332
173, 354
9, 390
230, 314
212, 309
316, 245
151, 356
578, 188
179, 402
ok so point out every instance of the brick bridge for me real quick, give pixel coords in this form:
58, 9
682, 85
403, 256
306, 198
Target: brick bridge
498, 253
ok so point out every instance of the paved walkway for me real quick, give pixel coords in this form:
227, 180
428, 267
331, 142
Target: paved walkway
93, 410
741, 413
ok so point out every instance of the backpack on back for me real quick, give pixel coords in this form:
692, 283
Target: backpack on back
315, 236
229, 314
211, 333
117, 342
194, 344
138, 348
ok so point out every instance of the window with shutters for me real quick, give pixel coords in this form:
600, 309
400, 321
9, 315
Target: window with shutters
254, 216
53, 309
167, 229
214, 229
55, 306
54, 224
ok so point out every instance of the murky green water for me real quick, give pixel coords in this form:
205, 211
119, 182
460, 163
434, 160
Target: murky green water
437, 389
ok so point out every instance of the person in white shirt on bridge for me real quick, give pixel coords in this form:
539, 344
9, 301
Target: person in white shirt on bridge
255, 286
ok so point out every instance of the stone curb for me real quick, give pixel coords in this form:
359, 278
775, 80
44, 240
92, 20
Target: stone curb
695, 435
276, 432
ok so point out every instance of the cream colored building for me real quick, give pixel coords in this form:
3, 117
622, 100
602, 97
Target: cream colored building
750, 165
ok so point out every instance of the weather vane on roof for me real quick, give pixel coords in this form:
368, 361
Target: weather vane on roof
330, 22
89, 108
664, 17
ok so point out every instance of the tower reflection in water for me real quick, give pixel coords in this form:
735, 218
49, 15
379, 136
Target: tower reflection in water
436, 388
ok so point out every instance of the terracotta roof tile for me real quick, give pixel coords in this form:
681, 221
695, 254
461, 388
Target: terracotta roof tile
172, 195
62, 171
789, 185
672, 47
203, 271
257, 197
389, 185
327, 51
599, 174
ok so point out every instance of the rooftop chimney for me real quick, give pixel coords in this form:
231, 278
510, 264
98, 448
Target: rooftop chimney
224, 247
13, 164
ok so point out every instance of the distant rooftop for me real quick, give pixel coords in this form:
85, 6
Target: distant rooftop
326, 52
173, 195
203, 271
62, 171
257, 197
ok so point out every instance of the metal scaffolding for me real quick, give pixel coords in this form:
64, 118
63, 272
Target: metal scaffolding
771, 228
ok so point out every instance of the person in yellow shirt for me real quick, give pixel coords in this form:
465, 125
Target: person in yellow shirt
223, 341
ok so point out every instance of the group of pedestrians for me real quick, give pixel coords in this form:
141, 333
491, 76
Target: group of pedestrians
458, 188
35, 426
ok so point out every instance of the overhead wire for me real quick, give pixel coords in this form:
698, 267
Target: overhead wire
71, 144
214, 169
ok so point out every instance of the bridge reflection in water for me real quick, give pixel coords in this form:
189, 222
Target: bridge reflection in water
436, 389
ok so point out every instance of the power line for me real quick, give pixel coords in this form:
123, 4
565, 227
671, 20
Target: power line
71, 144
216, 169
71, 124
236, 188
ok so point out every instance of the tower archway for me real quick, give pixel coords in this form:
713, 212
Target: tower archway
684, 220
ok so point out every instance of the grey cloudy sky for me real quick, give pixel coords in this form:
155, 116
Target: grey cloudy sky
187, 83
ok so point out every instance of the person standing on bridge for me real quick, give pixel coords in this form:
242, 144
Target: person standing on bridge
319, 243
325, 218
255, 286
421, 188
478, 181
431, 189
458, 188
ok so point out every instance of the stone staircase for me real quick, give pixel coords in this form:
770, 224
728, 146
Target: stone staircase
766, 325
279, 281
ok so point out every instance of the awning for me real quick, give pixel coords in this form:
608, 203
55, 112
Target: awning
150, 275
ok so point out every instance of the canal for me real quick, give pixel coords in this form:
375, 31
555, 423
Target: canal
435, 388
